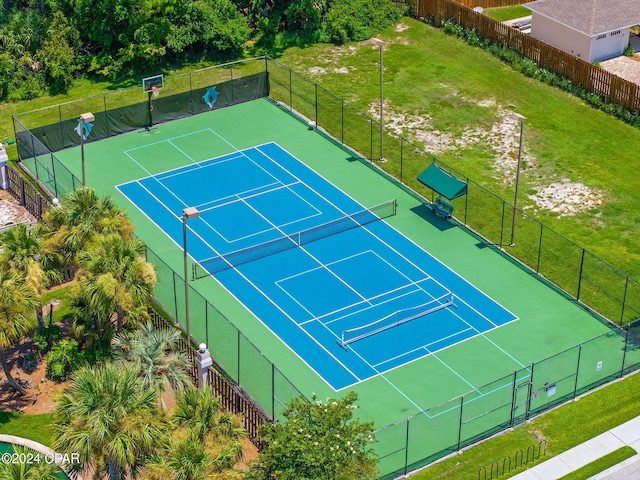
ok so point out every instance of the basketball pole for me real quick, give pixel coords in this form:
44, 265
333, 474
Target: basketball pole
150, 108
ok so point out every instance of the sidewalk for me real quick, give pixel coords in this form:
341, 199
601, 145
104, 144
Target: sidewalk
589, 451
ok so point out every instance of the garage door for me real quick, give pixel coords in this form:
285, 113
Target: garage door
607, 45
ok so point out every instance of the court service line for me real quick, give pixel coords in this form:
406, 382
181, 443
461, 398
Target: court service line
309, 186
235, 197
424, 347
384, 377
190, 168
275, 304
367, 307
443, 265
184, 153
162, 141
338, 277
173, 214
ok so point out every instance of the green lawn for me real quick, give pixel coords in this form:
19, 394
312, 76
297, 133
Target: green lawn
511, 12
34, 427
562, 428
459, 96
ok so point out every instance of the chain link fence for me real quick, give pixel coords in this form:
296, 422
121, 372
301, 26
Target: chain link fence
442, 429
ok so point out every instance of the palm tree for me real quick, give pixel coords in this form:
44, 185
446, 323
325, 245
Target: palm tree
27, 470
81, 216
206, 442
119, 280
109, 418
157, 357
93, 331
17, 300
199, 411
27, 251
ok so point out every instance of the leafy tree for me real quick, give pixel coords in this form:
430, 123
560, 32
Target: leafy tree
58, 53
318, 441
207, 25
156, 355
94, 332
17, 302
357, 20
109, 418
27, 470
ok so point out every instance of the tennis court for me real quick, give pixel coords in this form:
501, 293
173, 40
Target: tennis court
298, 253
345, 291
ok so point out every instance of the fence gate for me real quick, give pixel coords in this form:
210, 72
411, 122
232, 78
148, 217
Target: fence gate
521, 403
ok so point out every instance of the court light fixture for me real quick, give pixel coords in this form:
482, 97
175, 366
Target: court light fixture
85, 118
188, 213
520, 119
380, 44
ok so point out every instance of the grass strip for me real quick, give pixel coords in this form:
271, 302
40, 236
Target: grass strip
562, 429
601, 464
502, 14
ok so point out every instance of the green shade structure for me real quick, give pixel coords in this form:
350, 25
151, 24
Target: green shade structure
442, 182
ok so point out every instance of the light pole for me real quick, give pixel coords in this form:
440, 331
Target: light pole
187, 214
380, 45
84, 119
520, 119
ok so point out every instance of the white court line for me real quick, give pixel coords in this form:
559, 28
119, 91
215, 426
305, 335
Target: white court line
177, 217
275, 304
423, 347
236, 197
186, 168
184, 153
172, 138
366, 307
391, 248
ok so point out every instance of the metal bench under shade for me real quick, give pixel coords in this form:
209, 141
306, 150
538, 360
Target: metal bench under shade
446, 185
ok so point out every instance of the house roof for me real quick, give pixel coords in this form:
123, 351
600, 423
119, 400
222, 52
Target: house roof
591, 17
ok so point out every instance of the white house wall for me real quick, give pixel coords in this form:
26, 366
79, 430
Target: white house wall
559, 36
611, 44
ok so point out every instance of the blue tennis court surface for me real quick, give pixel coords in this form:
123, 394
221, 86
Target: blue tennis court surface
348, 293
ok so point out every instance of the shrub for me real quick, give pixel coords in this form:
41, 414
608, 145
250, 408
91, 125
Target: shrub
356, 20
45, 339
62, 359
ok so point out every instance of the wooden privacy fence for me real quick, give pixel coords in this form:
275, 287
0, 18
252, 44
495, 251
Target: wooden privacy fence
584, 74
489, 3
26, 194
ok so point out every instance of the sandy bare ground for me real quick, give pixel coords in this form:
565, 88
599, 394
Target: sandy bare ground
11, 212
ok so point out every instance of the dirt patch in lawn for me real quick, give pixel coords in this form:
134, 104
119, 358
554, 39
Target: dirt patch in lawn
563, 196
567, 198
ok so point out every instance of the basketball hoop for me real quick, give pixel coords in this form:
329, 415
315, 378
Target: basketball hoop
155, 90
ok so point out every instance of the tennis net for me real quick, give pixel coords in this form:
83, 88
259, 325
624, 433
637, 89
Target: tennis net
395, 319
219, 263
